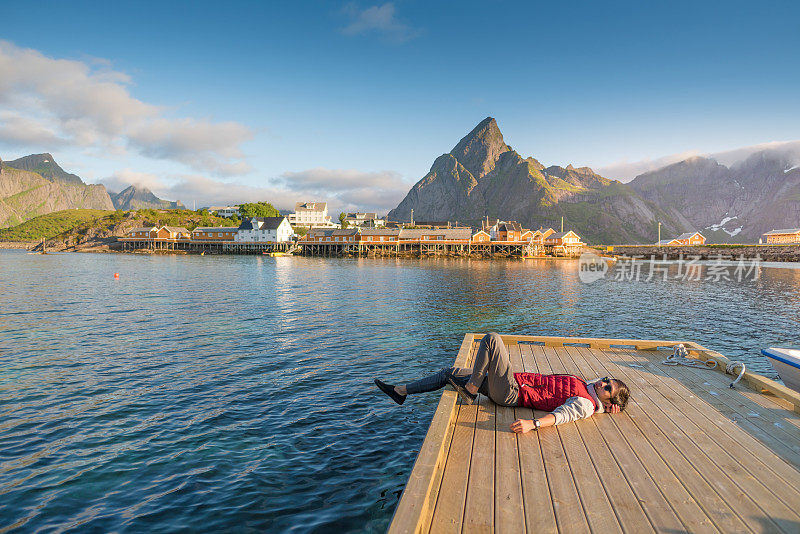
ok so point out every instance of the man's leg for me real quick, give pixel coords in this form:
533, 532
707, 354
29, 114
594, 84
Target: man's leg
435, 381
493, 365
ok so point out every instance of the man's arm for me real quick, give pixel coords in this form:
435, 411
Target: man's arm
575, 408
520, 426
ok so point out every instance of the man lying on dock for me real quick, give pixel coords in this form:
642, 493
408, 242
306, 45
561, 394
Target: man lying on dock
566, 397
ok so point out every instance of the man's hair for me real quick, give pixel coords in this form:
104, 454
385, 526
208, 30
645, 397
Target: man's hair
622, 396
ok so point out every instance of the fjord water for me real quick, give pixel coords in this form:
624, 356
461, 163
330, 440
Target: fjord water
235, 392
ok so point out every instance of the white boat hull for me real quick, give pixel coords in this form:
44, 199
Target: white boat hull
786, 363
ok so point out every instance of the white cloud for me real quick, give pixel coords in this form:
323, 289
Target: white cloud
626, 171
19, 131
127, 177
333, 180
343, 190
381, 20
355, 190
199, 144
788, 149
88, 104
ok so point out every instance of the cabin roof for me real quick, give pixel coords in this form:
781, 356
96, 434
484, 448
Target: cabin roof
344, 231
446, 233
394, 232
310, 206
263, 223
559, 235
784, 231
512, 226
688, 235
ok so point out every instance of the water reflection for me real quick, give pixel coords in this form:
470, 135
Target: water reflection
208, 392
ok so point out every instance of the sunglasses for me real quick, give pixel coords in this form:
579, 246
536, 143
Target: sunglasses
607, 381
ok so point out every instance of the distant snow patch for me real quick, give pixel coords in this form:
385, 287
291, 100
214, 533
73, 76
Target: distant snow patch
734, 232
719, 225
790, 169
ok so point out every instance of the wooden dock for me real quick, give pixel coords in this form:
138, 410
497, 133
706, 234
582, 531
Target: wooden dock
689, 454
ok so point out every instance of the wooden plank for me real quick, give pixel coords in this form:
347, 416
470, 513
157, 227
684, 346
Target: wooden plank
508, 505
569, 510
745, 461
756, 381
436, 484
538, 505
770, 411
449, 509
479, 511
688, 510
732, 480
599, 512
593, 342
630, 512
703, 479
414, 509
734, 409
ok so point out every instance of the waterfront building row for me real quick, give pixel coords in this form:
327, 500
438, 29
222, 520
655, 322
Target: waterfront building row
501, 238
251, 230
527, 242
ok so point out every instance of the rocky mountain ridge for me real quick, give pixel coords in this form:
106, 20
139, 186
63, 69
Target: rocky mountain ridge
45, 166
35, 185
482, 176
736, 203
25, 195
136, 197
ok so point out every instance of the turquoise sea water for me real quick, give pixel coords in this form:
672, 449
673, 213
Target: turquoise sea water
234, 393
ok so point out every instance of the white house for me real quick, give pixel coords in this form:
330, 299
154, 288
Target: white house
225, 211
264, 230
311, 214
364, 219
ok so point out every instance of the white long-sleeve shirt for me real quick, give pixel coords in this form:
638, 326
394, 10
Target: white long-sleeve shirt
578, 407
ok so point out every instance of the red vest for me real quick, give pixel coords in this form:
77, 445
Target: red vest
548, 392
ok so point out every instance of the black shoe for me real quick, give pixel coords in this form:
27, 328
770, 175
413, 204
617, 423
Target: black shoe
465, 395
389, 390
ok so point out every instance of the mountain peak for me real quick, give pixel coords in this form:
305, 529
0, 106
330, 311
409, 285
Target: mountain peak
137, 196
478, 150
45, 166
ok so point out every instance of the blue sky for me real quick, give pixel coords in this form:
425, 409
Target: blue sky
352, 102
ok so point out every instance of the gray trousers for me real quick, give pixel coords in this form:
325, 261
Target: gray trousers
491, 374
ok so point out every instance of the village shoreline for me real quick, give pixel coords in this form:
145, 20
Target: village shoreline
766, 252
789, 253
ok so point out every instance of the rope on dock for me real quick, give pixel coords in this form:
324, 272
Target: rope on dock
680, 356
730, 370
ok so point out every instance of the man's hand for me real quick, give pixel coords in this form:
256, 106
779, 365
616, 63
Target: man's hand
520, 426
612, 408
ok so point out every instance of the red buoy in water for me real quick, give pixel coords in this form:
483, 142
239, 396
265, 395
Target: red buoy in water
116, 276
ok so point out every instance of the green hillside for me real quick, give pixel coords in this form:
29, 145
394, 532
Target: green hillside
51, 224
73, 222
